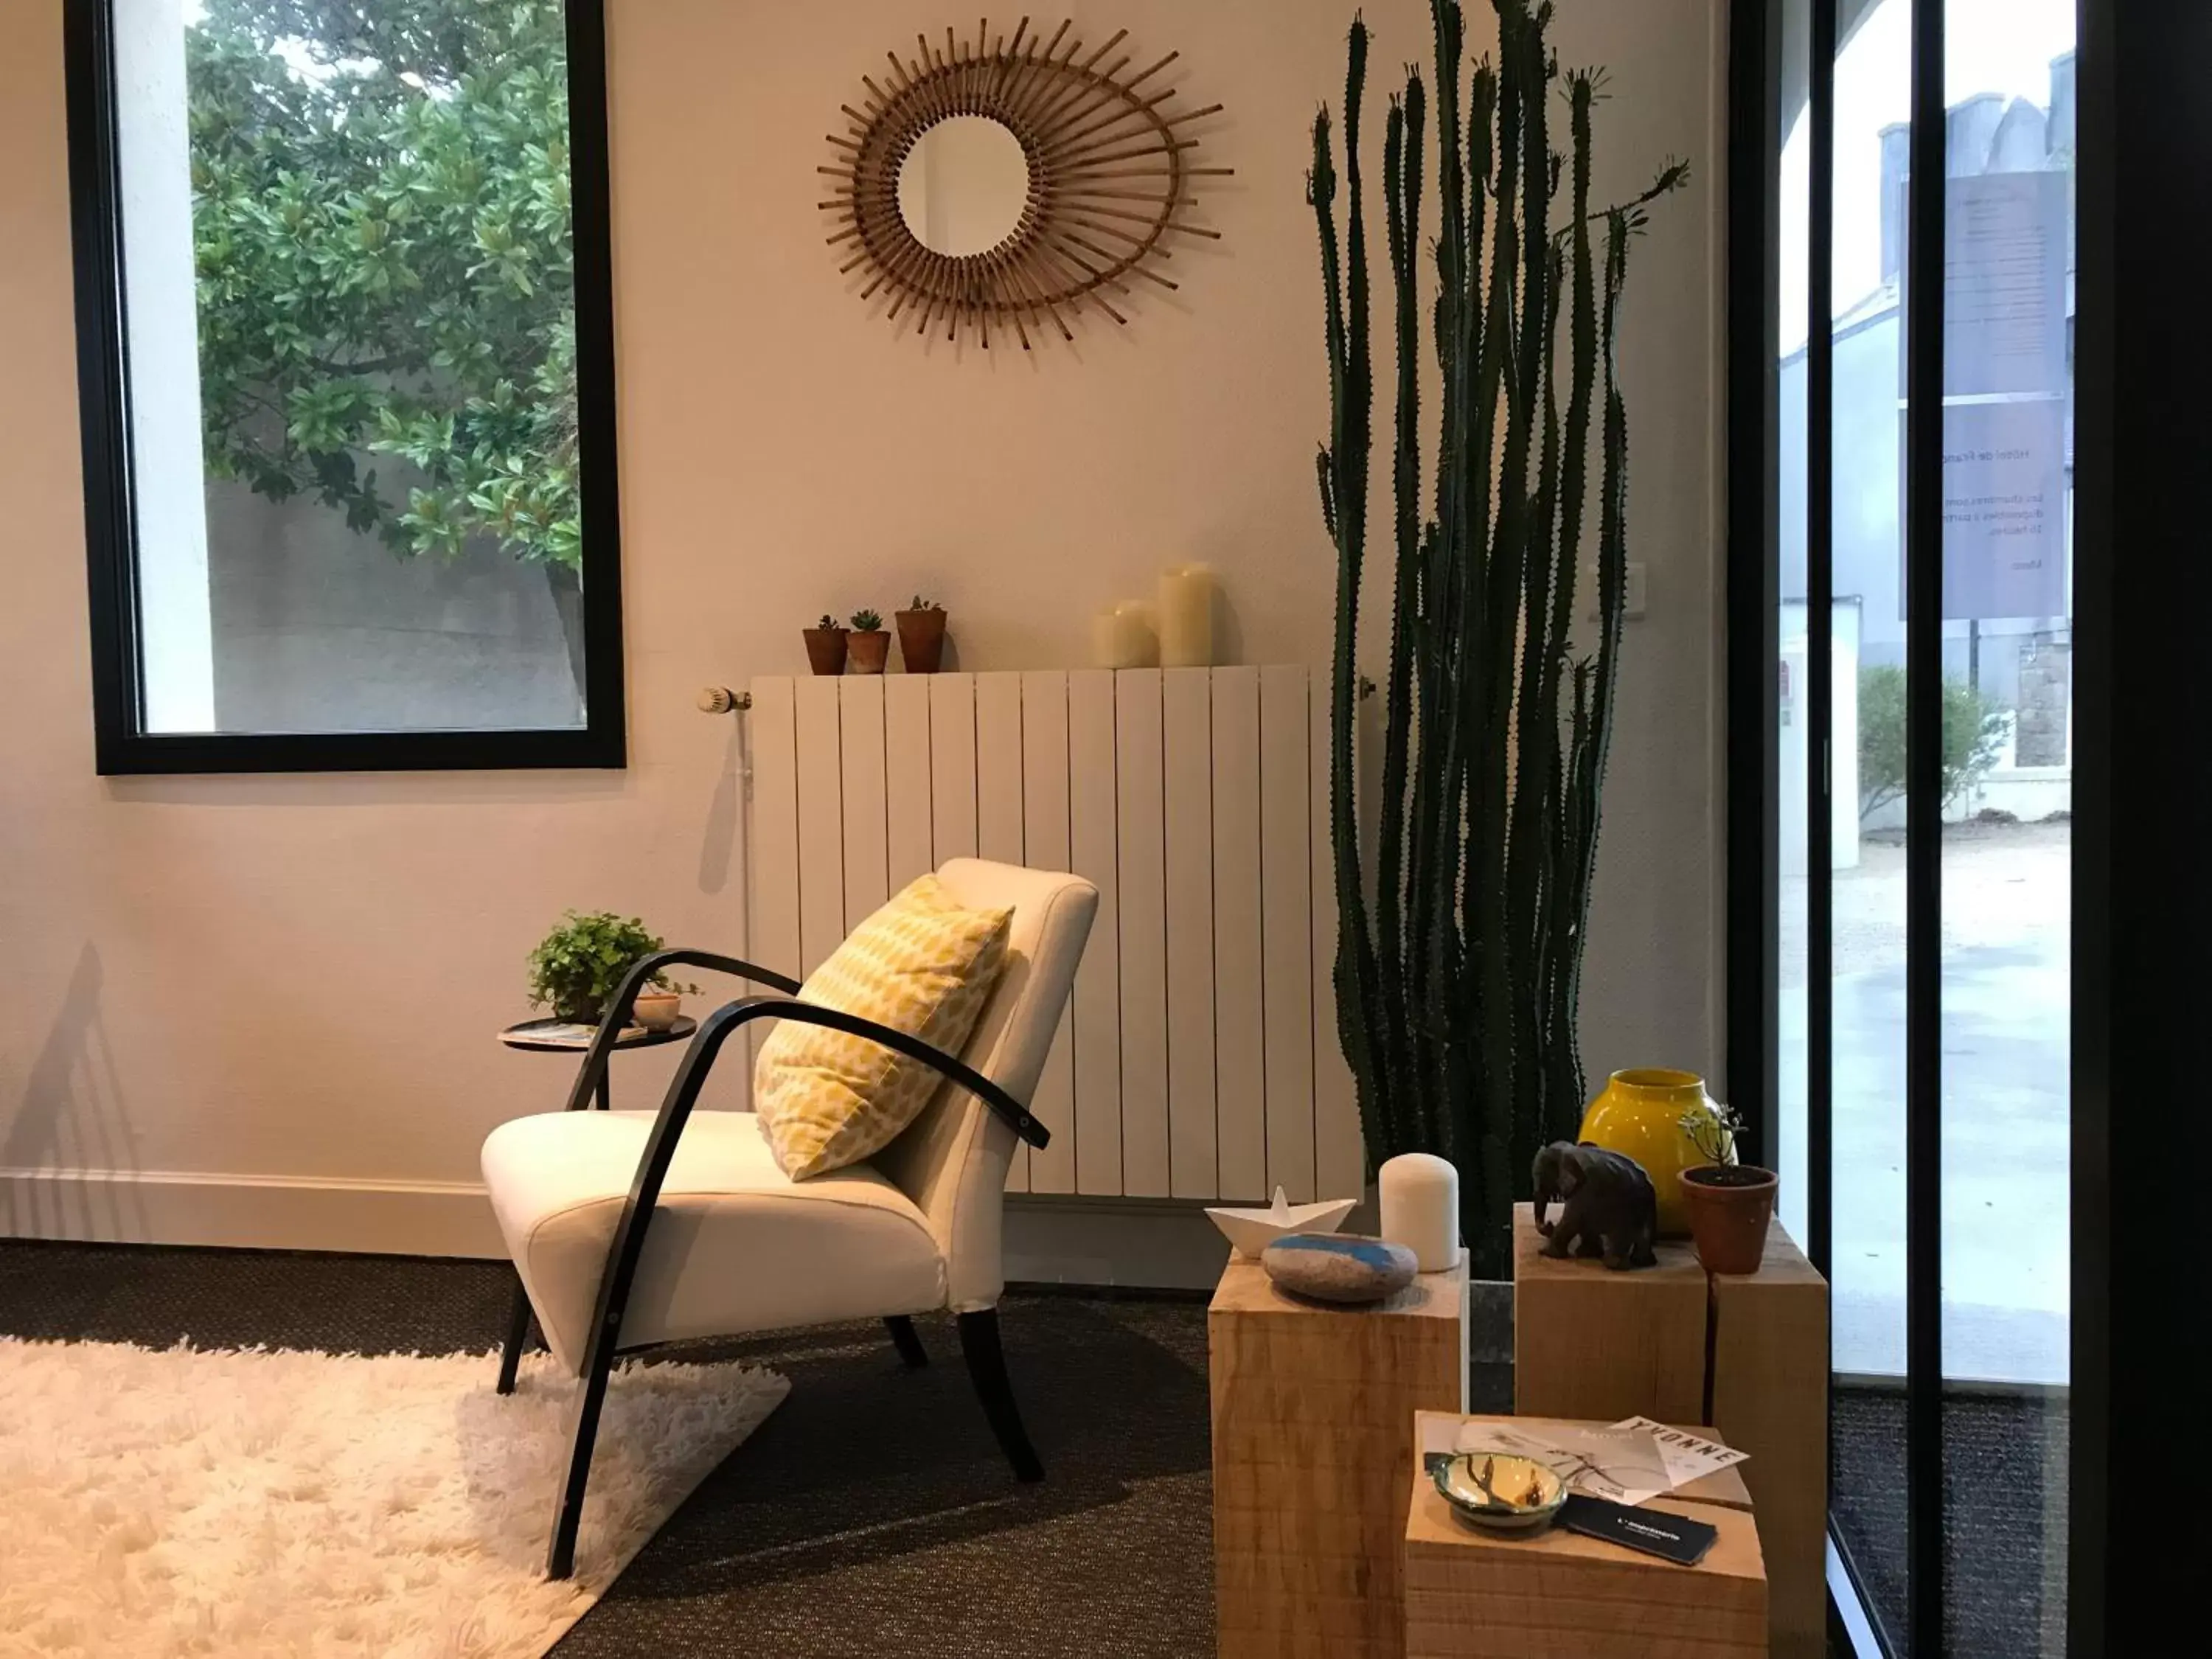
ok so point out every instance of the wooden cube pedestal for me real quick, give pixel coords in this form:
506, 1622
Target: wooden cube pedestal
1472, 1595
1769, 1384
1312, 1406
1593, 1344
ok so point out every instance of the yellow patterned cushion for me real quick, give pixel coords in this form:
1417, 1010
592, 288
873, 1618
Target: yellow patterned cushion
923, 964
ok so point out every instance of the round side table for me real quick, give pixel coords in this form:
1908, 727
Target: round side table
569, 1036
563, 1036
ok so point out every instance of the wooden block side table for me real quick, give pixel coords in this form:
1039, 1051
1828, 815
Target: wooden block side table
1472, 1595
1312, 1406
1595, 1346
1770, 1337
1747, 1353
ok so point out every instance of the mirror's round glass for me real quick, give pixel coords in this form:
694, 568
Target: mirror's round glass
963, 185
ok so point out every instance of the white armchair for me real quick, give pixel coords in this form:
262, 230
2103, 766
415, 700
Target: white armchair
630, 1229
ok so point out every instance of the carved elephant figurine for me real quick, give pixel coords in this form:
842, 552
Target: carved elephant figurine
1608, 1204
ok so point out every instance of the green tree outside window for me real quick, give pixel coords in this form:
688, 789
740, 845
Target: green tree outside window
385, 260
1973, 732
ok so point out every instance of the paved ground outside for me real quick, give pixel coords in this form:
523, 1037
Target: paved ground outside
2005, 983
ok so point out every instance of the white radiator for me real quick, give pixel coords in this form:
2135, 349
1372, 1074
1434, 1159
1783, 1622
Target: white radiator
1198, 1058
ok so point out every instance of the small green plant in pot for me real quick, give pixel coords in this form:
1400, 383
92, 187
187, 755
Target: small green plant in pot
921, 636
1730, 1204
825, 646
578, 967
871, 645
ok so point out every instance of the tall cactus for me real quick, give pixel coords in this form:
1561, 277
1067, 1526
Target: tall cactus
1459, 952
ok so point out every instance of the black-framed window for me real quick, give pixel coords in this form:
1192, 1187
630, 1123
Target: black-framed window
345, 360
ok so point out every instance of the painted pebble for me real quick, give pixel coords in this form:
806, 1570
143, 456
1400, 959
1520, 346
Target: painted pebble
1330, 1267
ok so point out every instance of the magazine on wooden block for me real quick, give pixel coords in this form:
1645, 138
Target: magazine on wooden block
1626, 1461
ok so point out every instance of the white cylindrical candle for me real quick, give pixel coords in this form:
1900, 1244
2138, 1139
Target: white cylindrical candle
1420, 1208
1124, 637
1187, 617
1106, 639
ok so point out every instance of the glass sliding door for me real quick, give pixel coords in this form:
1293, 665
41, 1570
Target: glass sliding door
1920, 752
2009, 242
1841, 769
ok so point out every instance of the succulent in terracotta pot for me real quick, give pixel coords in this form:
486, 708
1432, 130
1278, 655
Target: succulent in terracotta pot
1731, 1205
825, 646
871, 645
921, 636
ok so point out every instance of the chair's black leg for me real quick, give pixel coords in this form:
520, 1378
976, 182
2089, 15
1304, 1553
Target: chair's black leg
904, 1340
622, 1254
517, 1337
986, 1365
584, 1420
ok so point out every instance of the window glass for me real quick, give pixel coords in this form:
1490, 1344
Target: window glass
2008, 859
350, 323
2004, 819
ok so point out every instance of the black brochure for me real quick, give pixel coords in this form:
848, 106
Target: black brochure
1655, 1532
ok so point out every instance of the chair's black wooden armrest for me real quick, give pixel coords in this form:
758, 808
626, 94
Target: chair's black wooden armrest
736, 969
715, 1029
625, 998
629, 1241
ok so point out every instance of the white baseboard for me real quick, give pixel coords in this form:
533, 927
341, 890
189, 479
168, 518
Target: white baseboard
1137, 1242
1085, 1241
249, 1212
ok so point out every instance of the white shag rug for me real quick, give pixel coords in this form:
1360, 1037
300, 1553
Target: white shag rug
252, 1504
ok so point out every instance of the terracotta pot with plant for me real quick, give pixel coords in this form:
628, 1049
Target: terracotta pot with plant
871, 645
825, 646
578, 967
1731, 1204
921, 636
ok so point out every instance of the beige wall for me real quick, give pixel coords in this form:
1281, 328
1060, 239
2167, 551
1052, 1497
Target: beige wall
296, 979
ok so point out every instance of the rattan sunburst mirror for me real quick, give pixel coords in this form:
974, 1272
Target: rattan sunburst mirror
1007, 185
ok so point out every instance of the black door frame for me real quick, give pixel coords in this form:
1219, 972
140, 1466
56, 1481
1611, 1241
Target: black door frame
1751, 603
2143, 905
2141, 1329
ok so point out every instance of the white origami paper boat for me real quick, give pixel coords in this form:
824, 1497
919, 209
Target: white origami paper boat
1252, 1231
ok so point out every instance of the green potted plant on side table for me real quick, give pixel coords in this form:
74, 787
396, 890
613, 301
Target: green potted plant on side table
1731, 1204
578, 967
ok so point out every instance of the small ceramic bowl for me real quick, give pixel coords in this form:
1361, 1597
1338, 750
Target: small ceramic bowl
656, 1009
1500, 1492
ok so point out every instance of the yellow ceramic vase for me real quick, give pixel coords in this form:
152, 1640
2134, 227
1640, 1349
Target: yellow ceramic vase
1640, 1113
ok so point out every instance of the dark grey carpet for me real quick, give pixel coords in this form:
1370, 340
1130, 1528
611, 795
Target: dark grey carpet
872, 1513
2005, 1522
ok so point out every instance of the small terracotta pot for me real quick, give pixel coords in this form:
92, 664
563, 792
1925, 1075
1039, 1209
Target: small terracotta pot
1730, 1207
870, 646
656, 1009
825, 649
921, 639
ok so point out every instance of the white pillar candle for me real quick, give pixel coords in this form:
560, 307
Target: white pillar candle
1187, 617
1124, 637
1106, 639
1420, 1208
